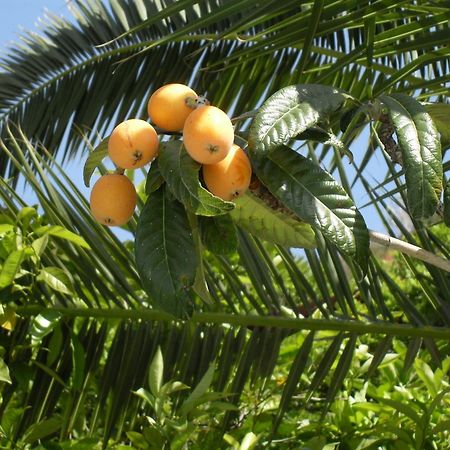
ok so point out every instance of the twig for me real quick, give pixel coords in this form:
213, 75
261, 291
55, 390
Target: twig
409, 249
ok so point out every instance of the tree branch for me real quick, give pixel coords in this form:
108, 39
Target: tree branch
409, 249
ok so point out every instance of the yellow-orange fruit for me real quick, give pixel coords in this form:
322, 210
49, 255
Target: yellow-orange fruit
167, 106
229, 178
208, 134
113, 199
133, 144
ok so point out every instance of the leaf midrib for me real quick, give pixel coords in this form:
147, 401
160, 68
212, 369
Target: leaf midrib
313, 196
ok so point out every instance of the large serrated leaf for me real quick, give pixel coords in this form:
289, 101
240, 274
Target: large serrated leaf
440, 113
259, 219
219, 234
165, 253
315, 197
419, 143
447, 203
181, 174
94, 159
291, 111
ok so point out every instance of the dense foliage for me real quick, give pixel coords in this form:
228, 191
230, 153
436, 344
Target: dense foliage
323, 347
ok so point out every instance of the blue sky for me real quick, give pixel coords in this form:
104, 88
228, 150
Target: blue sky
18, 14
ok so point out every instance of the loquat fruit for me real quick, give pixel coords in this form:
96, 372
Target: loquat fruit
208, 134
113, 199
229, 178
168, 107
133, 144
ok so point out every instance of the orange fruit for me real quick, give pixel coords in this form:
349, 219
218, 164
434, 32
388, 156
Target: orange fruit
113, 199
133, 144
229, 178
167, 106
208, 134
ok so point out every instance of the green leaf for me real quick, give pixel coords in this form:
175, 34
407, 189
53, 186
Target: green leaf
42, 429
315, 197
62, 233
155, 375
219, 234
165, 253
154, 178
11, 267
401, 407
5, 228
173, 386
425, 373
447, 203
249, 441
257, 217
137, 439
181, 173
418, 140
200, 286
146, 396
94, 160
440, 113
56, 278
4, 372
289, 112
39, 245
199, 390
43, 324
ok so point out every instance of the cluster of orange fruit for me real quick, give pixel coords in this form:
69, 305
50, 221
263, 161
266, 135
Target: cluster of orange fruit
208, 137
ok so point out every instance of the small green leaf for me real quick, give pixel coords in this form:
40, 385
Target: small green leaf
42, 429
219, 234
11, 267
155, 374
173, 386
165, 253
154, 178
291, 111
257, 217
181, 173
198, 391
249, 441
401, 407
4, 372
137, 439
94, 160
418, 140
43, 324
56, 278
315, 197
63, 233
424, 372
39, 245
145, 395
